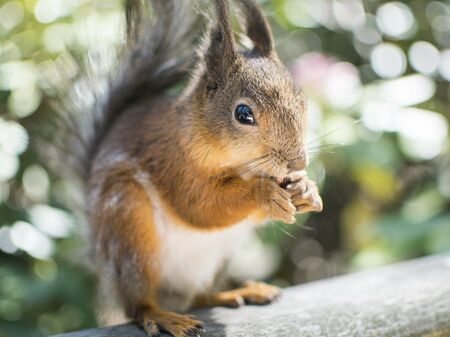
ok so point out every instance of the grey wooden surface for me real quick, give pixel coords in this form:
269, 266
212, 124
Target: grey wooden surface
410, 299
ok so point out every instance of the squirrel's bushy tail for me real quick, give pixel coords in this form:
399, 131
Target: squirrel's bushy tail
157, 53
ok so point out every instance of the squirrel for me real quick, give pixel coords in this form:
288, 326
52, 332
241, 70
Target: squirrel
172, 182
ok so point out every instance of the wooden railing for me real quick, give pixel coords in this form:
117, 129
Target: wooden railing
410, 299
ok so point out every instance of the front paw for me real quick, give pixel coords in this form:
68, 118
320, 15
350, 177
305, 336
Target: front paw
304, 193
275, 201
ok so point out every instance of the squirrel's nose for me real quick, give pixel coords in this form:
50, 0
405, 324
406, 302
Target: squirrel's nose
298, 164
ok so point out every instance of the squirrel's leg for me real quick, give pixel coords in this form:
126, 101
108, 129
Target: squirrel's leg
130, 245
250, 293
224, 202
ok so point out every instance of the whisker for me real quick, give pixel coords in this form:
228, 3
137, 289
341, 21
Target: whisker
269, 172
255, 166
335, 130
287, 233
326, 146
321, 151
303, 226
251, 161
270, 147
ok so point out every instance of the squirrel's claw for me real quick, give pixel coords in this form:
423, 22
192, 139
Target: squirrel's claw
151, 328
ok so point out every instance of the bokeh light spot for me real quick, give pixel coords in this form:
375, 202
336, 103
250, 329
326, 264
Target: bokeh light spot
9, 165
10, 310
52, 221
407, 90
343, 86
298, 13
423, 133
24, 101
444, 68
388, 60
349, 14
424, 57
13, 137
17, 74
6, 244
47, 11
367, 32
35, 182
396, 20
50, 324
31, 240
11, 14
45, 270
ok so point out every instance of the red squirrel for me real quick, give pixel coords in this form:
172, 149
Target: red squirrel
173, 182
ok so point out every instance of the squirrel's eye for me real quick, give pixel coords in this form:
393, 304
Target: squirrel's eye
244, 115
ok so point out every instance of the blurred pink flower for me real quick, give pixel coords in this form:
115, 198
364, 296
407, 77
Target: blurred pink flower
327, 78
311, 70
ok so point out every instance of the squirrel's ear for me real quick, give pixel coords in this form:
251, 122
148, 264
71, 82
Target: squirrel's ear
221, 52
258, 28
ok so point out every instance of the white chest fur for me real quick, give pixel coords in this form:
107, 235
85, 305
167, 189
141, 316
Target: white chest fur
191, 259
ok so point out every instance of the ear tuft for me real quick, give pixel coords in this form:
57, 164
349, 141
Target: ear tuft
258, 28
221, 52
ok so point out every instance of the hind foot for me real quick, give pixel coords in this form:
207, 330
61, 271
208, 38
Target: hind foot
250, 293
154, 322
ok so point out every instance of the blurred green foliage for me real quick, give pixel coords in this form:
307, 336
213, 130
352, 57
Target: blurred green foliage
377, 77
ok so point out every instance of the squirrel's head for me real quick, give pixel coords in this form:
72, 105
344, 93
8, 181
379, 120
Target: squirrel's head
249, 112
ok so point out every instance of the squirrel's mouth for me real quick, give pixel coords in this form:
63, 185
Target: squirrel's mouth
282, 181
279, 174
269, 170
